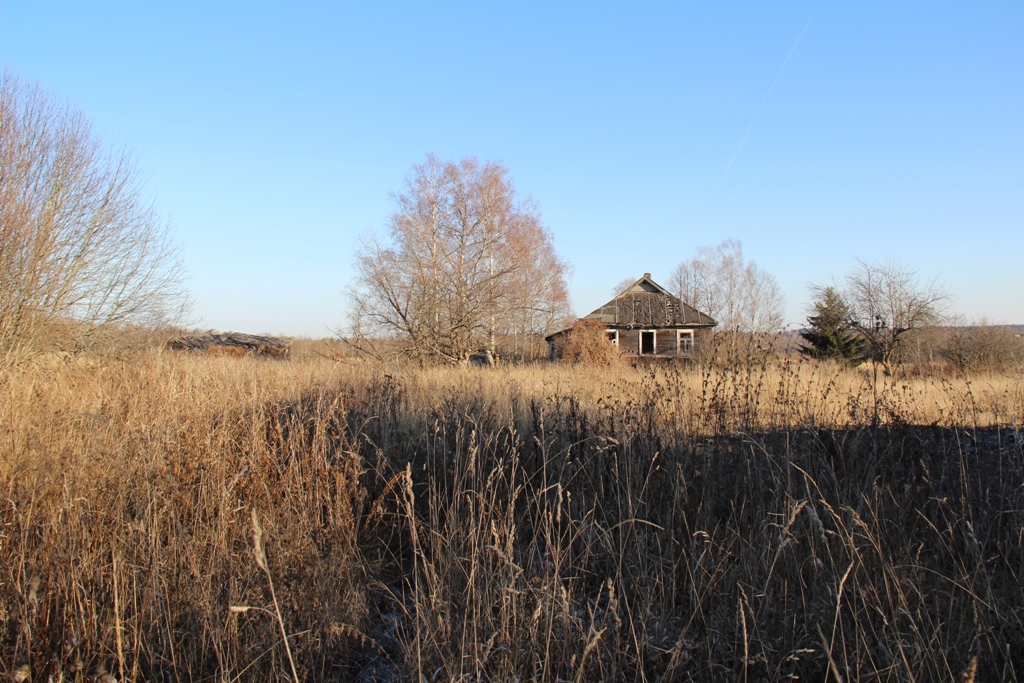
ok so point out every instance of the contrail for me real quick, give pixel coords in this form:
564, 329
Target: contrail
777, 77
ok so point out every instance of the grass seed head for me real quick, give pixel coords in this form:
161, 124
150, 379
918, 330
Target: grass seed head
257, 542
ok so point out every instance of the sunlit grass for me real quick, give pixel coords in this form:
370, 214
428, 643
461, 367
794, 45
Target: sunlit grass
755, 518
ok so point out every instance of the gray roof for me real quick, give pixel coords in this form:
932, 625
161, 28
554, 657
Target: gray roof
647, 304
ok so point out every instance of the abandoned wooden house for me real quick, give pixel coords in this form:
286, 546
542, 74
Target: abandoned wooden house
646, 320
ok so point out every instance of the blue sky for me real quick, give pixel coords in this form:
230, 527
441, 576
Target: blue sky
270, 136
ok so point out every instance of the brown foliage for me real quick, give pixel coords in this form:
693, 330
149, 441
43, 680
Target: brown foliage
236, 351
587, 343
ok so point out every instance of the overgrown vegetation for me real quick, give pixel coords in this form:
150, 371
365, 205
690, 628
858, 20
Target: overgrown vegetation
983, 348
756, 518
587, 343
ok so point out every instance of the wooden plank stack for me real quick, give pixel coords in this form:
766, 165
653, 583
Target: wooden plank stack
232, 344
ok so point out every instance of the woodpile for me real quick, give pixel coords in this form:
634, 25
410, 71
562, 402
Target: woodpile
482, 358
232, 344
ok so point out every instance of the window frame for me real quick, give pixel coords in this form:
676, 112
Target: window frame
654, 343
679, 342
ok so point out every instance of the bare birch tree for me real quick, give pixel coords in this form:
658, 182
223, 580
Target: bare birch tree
738, 294
623, 285
80, 250
465, 261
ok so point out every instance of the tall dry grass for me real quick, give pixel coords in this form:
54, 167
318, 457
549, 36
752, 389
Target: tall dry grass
754, 519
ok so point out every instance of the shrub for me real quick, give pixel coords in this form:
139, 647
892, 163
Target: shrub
586, 343
983, 348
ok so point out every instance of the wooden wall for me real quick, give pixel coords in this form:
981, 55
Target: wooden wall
629, 341
665, 342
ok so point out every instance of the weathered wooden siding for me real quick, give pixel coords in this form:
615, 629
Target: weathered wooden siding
666, 342
629, 341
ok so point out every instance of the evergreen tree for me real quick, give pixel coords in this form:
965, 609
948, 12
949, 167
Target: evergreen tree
831, 331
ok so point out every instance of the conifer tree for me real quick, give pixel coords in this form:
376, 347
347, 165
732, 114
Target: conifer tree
830, 332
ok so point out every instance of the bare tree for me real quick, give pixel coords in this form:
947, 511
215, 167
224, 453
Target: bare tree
738, 294
888, 302
465, 262
763, 303
623, 285
80, 250
537, 291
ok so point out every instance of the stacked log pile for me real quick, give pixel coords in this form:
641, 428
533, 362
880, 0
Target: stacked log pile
232, 344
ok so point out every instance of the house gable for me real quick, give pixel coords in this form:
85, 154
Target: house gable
646, 304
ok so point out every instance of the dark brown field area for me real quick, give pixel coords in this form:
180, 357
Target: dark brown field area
179, 517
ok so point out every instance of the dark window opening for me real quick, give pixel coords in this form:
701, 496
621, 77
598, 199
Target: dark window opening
646, 342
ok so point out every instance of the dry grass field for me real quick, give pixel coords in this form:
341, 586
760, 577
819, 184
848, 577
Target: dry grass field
177, 517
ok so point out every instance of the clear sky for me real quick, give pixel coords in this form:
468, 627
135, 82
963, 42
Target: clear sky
271, 135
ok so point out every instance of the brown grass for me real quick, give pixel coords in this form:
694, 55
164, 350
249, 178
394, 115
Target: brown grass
755, 519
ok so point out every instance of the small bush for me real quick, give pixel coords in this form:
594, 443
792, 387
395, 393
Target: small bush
586, 343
